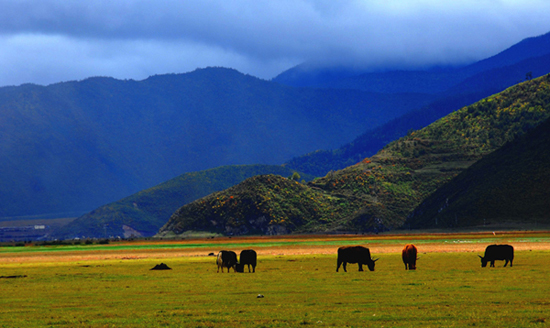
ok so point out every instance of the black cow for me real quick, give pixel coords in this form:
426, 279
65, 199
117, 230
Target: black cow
355, 254
409, 256
226, 259
497, 252
247, 257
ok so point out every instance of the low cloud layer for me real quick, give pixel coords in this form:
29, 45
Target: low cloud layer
49, 41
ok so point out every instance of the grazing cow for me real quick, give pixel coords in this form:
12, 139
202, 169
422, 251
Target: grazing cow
497, 252
226, 259
409, 256
355, 254
247, 257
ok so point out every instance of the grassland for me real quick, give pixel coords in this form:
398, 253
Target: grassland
113, 286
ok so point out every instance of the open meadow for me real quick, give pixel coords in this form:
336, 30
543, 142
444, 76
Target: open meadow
112, 285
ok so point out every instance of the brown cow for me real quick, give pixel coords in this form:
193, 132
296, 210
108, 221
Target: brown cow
226, 259
409, 256
355, 254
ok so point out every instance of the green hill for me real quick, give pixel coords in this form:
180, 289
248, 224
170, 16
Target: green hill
378, 193
143, 213
508, 186
265, 204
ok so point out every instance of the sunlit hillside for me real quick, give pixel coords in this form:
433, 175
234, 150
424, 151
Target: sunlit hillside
378, 193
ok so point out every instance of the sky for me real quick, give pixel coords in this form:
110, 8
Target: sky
50, 41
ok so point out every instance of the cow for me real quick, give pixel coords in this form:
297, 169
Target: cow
247, 257
355, 254
409, 256
226, 259
497, 252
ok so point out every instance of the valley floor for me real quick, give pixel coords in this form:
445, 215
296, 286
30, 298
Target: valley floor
295, 283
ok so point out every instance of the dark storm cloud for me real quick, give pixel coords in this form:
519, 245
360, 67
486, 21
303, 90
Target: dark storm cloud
54, 40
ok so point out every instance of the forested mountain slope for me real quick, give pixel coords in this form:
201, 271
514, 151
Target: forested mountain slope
74, 146
467, 92
452, 89
381, 191
509, 186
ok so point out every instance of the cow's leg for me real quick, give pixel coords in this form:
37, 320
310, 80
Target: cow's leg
248, 268
253, 268
406, 268
344, 266
360, 267
493, 264
506, 263
338, 263
511, 262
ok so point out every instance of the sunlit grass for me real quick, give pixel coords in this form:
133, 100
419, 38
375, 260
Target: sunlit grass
448, 289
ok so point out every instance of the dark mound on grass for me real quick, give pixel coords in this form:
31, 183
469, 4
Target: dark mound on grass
161, 266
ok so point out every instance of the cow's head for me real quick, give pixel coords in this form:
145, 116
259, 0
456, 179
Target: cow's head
483, 261
371, 264
239, 267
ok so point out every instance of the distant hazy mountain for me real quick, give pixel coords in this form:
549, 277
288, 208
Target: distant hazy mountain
381, 191
314, 75
74, 146
142, 214
434, 80
510, 186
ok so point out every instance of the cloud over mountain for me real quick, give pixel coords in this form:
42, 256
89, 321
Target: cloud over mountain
55, 40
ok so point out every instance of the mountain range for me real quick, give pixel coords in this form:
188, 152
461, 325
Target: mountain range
516, 67
378, 193
74, 146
